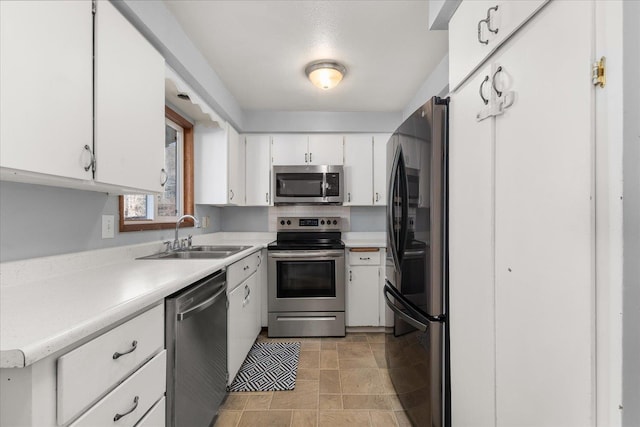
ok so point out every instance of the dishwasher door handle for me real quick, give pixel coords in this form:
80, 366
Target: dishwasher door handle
202, 306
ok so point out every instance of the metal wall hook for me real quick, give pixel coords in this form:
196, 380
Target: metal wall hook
493, 81
485, 100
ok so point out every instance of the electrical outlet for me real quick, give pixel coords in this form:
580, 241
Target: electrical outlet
108, 222
205, 222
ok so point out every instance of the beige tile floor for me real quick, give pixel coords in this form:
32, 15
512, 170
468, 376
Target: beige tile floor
340, 382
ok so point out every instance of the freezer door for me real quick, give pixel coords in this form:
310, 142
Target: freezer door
416, 363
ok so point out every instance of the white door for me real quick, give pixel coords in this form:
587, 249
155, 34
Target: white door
543, 215
362, 296
46, 93
471, 260
258, 170
326, 149
358, 170
380, 168
239, 325
129, 104
235, 167
289, 150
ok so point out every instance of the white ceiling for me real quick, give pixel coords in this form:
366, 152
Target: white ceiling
260, 48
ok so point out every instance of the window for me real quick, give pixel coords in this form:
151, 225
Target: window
155, 212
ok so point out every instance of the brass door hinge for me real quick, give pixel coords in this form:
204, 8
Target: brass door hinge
598, 72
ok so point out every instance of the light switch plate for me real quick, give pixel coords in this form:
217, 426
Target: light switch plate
108, 223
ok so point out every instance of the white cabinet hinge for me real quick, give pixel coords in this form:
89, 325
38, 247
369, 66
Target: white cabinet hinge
598, 72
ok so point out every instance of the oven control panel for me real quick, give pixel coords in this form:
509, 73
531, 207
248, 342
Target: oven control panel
329, 223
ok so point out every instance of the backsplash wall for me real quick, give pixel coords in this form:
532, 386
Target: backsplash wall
39, 221
359, 218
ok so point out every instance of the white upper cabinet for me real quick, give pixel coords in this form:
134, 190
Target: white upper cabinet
219, 166
380, 168
46, 87
326, 149
477, 29
258, 170
358, 170
290, 150
76, 89
129, 91
303, 149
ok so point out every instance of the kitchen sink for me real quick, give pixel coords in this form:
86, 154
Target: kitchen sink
214, 248
199, 252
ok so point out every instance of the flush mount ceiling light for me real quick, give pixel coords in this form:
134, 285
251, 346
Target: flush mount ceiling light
325, 74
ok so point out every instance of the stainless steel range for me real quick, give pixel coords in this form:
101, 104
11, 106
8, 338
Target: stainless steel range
306, 278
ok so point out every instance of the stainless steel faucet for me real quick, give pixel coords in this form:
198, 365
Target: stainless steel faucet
176, 242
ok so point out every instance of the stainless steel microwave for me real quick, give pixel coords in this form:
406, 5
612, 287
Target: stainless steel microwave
311, 185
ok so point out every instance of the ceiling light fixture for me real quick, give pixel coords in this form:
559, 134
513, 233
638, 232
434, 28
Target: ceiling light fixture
325, 74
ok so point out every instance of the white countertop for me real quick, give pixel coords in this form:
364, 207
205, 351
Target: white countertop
50, 303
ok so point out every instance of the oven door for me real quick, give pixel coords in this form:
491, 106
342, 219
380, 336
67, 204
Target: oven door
301, 280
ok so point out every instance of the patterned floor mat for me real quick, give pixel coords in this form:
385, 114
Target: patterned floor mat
269, 366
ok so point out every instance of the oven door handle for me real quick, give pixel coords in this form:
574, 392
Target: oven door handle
307, 254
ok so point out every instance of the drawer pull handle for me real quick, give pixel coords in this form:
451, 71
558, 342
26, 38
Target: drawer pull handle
365, 259
134, 345
133, 408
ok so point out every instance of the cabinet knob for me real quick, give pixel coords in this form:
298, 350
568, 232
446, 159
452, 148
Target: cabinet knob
117, 355
485, 100
480, 40
163, 177
133, 408
350, 276
377, 197
310, 157
348, 197
306, 157
495, 9
266, 197
92, 159
231, 194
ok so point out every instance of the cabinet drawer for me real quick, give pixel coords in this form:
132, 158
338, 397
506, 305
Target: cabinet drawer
130, 400
364, 256
89, 371
155, 417
239, 271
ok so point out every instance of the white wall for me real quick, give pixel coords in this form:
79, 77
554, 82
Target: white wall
37, 220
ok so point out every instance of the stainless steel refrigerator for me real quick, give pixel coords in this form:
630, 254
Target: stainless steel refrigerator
417, 265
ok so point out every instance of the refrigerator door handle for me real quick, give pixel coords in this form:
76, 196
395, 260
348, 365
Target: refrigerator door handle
422, 318
392, 232
404, 316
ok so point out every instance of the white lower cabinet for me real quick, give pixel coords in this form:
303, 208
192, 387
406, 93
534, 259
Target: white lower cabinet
363, 291
128, 402
94, 382
156, 417
244, 313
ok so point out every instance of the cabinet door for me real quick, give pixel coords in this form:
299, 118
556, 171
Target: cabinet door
210, 168
467, 49
237, 325
289, 150
263, 286
544, 224
235, 167
326, 149
362, 296
46, 79
471, 260
258, 170
479, 27
380, 168
358, 170
253, 306
129, 104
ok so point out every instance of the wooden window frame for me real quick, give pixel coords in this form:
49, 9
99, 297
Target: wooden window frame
188, 191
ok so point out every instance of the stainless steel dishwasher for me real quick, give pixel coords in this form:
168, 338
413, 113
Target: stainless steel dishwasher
196, 341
